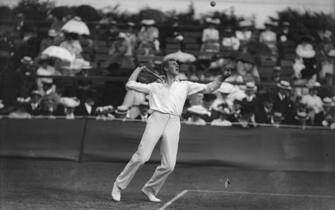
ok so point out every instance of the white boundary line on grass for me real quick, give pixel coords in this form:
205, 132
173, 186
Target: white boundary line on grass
182, 193
179, 195
265, 194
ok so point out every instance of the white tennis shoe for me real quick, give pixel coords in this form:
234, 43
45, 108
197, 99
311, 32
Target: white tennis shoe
151, 197
116, 193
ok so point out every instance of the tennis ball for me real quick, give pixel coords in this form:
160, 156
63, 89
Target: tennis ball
213, 3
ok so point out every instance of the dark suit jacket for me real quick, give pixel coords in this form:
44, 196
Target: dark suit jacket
81, 110
286, 107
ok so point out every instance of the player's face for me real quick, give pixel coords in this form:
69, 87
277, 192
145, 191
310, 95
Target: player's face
173, 68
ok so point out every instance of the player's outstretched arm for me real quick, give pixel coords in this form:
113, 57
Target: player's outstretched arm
211, 87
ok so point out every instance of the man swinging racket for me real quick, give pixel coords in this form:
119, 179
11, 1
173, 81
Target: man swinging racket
166, 100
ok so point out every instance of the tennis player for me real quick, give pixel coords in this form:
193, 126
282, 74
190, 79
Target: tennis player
166, 100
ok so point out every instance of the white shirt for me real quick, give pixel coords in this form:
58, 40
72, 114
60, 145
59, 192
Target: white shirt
88, 108
166, 99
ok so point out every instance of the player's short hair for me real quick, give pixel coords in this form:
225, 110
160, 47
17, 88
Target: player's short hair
165, 64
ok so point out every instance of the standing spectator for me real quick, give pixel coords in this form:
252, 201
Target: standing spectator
148, 38
244, 34
229, 41
282, 102
211, 36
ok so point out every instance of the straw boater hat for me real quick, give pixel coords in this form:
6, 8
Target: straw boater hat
327, 101
278, 115
250, 86
198, 109
121, 110
26, 60
36, 92
52, 33
301, 115
284, 85
313, 85
148, 22
69, 102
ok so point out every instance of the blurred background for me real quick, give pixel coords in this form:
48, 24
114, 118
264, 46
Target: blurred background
72, 58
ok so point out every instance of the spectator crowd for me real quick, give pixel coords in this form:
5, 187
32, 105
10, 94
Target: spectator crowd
37, 71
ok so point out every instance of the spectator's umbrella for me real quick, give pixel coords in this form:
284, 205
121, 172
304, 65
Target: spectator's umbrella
181, 57
58, 52
76, 26
87, 13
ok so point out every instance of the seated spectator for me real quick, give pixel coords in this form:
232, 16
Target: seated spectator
211, 37
105, 112
327, 116
302, 119
119, 53
50, 40
196, 113
20, 112
144, 111
282, 102
246, 67
69, 105
148, 38
224, 112
264, 111
269, 37
88, 106
223, 95
312, 101
179, 55
277, 119
50, 100
45, 69
121, 112
131, 38
208, 100
249, 103
235, 111
72, 44
33, 107
229, 41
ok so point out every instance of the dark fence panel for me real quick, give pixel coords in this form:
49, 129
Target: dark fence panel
42, 138
95, 140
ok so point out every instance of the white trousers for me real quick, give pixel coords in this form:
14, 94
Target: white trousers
158, 125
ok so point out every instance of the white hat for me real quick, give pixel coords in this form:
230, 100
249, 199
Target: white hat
27, 60
86, 65
306, 52
148, 22
1, 104
52, 32
284, 85
69, 102
215, 21
226, 88
245, 23
327, 101
198, 109
121, 109
251, 86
